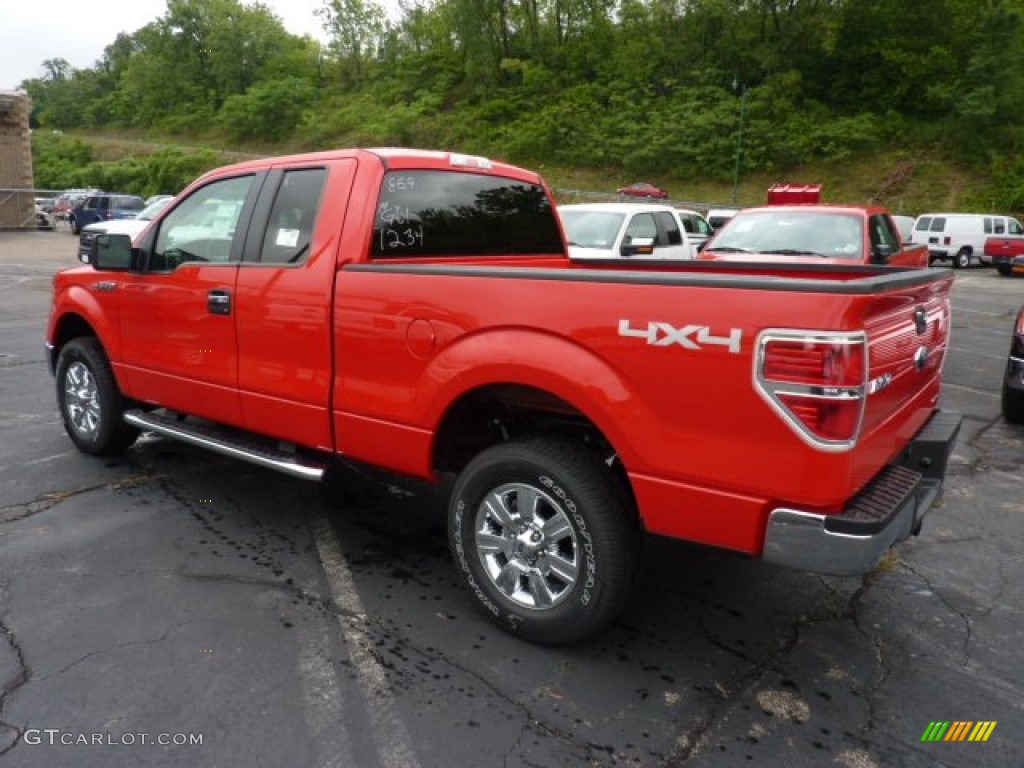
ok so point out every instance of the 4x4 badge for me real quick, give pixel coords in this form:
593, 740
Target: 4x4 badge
689, 336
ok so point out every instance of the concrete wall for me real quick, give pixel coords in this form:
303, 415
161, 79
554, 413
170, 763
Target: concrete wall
17, 204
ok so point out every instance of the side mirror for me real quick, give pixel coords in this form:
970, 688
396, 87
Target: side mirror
111, 252
639, 246
881, 253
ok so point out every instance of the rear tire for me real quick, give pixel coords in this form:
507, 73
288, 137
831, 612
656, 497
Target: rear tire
74, 225
91, 405
962, 259
544, 536
1013, 405
1004, 270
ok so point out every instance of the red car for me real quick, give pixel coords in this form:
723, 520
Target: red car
643, 189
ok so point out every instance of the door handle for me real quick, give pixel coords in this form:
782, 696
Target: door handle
219, 302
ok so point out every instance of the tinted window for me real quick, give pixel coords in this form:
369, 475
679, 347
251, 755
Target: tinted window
923, 223
290, 227
882, 233
987, 226
668, 223
938, 224
448, 213
1000, 226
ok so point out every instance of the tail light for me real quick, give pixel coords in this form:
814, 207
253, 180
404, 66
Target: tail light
1017, 344
817, 382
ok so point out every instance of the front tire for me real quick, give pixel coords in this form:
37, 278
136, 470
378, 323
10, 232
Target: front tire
91, 405
962, 260
544, 536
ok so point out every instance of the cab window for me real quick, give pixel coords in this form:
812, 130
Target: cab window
201, 227
290, 226
642, 228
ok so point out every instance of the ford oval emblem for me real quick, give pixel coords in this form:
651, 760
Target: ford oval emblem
920, 321
921, 357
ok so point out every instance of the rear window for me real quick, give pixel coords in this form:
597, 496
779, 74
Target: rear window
449, 213
126, 203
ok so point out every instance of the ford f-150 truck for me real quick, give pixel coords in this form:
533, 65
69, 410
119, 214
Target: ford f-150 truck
814, 233
1006, 253
417, 311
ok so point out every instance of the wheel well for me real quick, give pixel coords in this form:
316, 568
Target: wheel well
494, 414
70, 327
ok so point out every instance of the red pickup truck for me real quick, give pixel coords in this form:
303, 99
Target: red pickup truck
806, 233
1006, 253
417, 311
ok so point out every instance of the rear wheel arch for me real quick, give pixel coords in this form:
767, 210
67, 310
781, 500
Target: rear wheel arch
497, 413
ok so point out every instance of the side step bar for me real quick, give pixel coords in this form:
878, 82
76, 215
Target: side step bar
228, 442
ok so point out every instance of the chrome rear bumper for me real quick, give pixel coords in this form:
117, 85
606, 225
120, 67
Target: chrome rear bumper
889, 509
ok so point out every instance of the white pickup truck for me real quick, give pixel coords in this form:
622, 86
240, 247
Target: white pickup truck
624, 230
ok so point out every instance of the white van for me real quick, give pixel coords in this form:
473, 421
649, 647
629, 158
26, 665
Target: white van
961, 237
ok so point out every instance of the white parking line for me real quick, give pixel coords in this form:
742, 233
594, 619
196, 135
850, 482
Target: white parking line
391, 738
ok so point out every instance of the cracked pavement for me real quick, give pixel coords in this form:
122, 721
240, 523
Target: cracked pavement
171, 591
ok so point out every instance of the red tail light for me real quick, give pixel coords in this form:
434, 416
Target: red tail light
817, 382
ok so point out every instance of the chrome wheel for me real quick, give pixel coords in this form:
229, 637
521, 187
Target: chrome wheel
81, 396
527, 545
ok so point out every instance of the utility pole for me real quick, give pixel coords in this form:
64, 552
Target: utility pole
739, 137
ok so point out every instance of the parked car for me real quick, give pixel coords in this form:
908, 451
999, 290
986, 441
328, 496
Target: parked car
1013, 381
961, 237
614, 230
104, 207
66, 201
130, 227
698, 230
814, 233
1006, 253
44, 220
643, 189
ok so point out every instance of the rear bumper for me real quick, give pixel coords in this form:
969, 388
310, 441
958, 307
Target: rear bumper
889, 509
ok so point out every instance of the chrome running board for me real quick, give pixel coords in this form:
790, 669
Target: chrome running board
228, 442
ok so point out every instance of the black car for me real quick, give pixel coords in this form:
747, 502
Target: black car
1013, 382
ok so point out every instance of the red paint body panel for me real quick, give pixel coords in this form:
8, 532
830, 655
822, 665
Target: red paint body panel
339, 353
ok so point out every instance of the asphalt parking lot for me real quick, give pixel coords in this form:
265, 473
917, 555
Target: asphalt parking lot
175, 608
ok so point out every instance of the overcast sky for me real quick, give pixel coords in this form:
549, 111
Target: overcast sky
79, 30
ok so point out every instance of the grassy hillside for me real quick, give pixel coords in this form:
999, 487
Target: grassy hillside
905, 181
